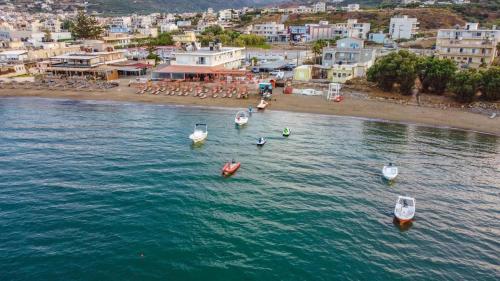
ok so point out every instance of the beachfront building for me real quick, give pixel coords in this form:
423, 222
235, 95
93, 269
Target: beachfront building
12, 70
274, 32
469, 46
94, 59
195, 61
349, 59
403, 27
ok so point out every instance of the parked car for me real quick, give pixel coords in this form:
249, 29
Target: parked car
289, 66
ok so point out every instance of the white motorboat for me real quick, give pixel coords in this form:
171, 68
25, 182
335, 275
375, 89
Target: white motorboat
390, 172
261, 141
405, 209
262, 105
200, 133
241, 118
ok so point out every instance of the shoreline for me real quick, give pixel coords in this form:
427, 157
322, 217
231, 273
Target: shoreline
351, 107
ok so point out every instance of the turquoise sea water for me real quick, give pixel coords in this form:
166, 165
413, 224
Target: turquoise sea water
109, 191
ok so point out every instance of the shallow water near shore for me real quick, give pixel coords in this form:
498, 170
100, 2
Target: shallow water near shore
103, 191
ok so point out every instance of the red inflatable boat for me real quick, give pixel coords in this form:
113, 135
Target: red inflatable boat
230, 168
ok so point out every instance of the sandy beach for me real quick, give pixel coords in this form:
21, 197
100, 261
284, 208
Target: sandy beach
351, 106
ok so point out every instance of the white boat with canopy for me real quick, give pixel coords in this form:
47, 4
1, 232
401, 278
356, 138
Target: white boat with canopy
200, 133
390, 172
241, 118
405, 209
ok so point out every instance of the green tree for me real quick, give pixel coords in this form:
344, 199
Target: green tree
317, 47
491, 84
465, 84
213, 30
400, 67
164, 39
46, 35
152, 53
67, 25
435, 74
86, 27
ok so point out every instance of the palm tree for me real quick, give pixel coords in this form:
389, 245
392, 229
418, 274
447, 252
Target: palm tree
317, 48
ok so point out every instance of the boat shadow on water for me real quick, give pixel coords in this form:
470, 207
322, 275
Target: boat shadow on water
197, 145
388, 182
403, 227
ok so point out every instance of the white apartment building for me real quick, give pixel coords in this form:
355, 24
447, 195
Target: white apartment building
273, 31
183, 23
228, 14
141, 22
468, 46
403, 27
406, 2
351, 28
319, 7
214, 56
352, 7
13, 56
52, 25
168, 27
121, 21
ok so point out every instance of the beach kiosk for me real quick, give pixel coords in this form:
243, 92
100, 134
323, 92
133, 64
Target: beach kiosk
266, 90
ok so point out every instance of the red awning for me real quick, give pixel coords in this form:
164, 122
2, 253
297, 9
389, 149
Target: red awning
199, 70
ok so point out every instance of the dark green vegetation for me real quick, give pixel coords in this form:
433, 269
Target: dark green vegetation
468, 83
85, 27
436, 76
396, 68
486, 12
231, 38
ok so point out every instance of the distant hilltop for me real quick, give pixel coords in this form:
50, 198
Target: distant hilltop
140, 6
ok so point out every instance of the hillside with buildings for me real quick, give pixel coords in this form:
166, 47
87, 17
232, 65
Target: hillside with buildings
331, 42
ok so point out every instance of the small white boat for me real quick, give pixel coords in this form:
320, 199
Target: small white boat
405, 209
390, 172
262, 105
241, 118
200, 133
261, 141
493, 115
